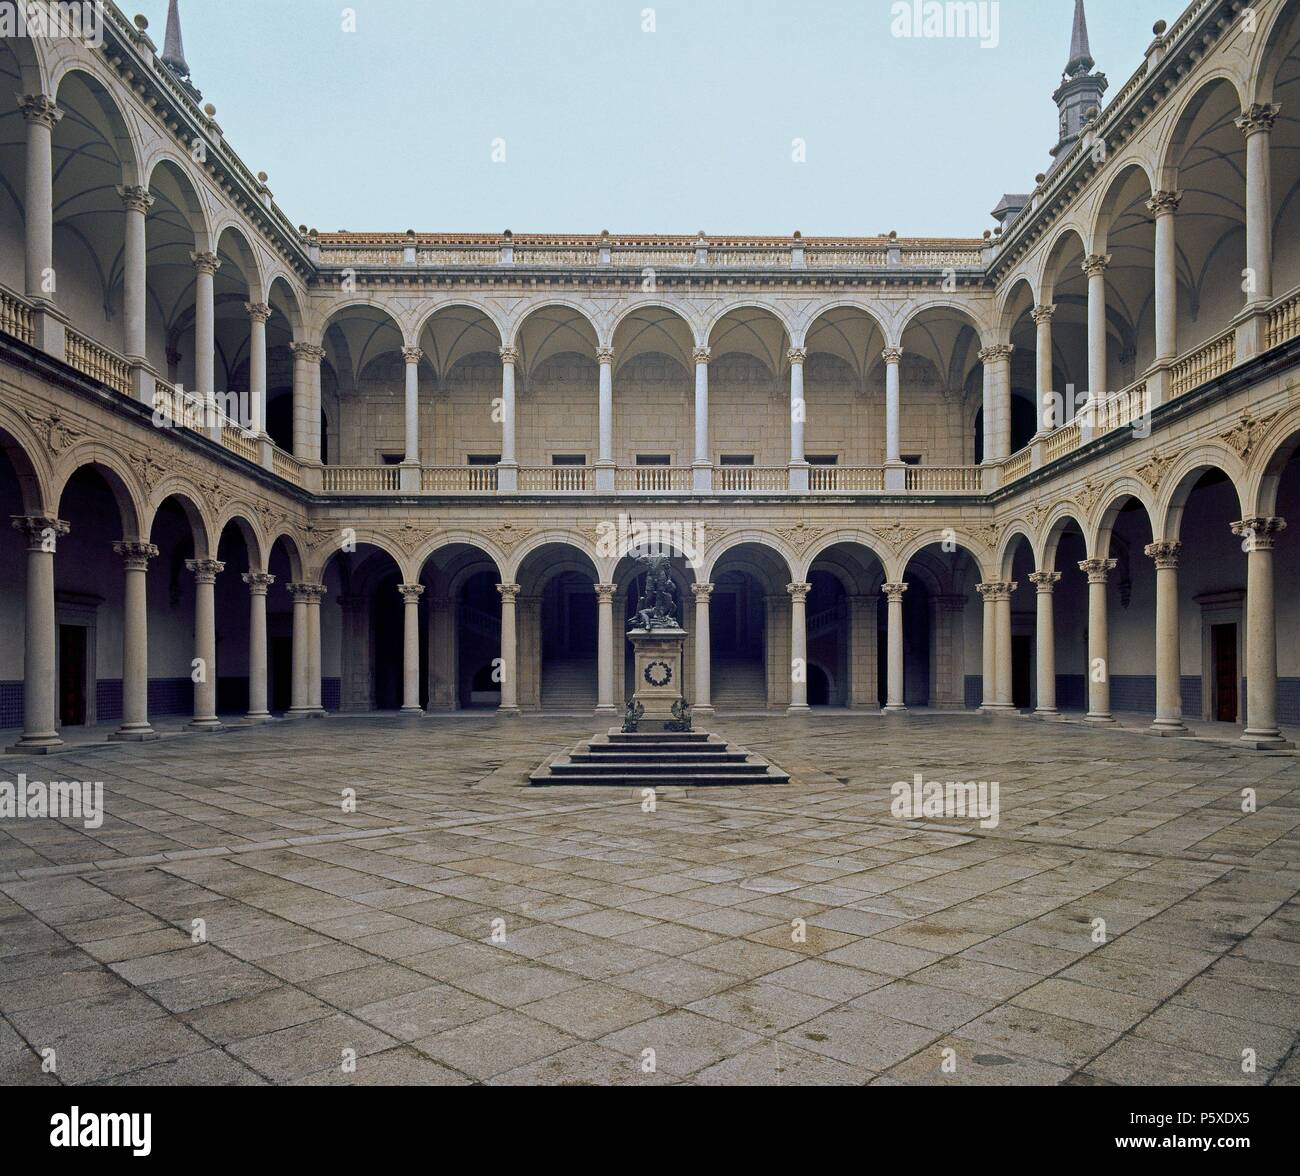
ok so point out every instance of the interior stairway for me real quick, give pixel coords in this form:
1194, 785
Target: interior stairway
569, 686
650, 759
739, 684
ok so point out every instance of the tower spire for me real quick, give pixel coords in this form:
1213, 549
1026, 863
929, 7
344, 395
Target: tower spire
173, 55
1080, 56
1081, 90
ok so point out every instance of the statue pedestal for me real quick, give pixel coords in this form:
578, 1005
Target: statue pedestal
658, 673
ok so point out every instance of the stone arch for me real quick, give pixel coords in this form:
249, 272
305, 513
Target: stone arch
241, 517
1272, 50
1105, 214
292, 550
512, 328
1005, 306
185, 196
515, 559
1054, 254
282, 295
844, 535
125, 143
1271, 453
443, 363
1173, 142
205, 534
739, 539
693, 321
1181, 478
1062, 517
457, 538
978, 552
366, 536
1118, 493
244, 254
116, 473
27, 458
1007, 548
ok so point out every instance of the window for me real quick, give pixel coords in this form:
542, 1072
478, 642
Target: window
568, 459
736, 459
653, 459
822, 459
391, 458
482, 459
910, 458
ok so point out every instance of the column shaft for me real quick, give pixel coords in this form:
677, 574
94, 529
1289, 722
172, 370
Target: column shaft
509, 650
135, 724
1163, 205
412, 355
1169, 700
1256, 123
1098, 642
605, 648
41, 114
1049, 417
136, 202
1260, 535
299, 703
893, 357
1095, 267
258, 313
40, 668
605, 360
894, 656
798, 407
205, 643
258, 699
411, 594
703, 654
798, 647
1045, 628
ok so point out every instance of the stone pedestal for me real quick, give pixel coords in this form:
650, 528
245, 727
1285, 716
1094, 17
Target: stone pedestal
657, 673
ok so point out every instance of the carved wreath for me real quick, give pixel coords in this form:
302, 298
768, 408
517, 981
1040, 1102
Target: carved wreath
658, 673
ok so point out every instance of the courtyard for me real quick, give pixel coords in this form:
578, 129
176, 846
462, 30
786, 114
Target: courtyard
376, 899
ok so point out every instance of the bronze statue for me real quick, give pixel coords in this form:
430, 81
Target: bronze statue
656, 607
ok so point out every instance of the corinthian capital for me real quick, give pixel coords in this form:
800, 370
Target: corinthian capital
796, 354
135, 197
999, 351
412, 354
308, 351
257, 311
1043, 313
1095, 263
205, 571
1164, 552
410, 592
1258, 118
702, 354
509, 355
892, 355
135, 553
1097, 569
43, 532
206, 263
1164, 203
604, 355
39, 108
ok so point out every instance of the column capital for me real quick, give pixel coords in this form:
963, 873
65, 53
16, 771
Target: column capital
1097, 569
702, 592
1095, 263
205, 571
135, 553
997, 589
258, 582
796, 354
1258, 118
702, 354
1164, 202
412, 354
206, 263
1259, 531
894, 591
1164, 552
257, 311
509, 592
308, 351
39, 108
410, 593
892, 354
508, 354
135, 197
604, 355
1043, 312
799, 591
605, 592
307, 593
43, 531
996, 353
1044, 582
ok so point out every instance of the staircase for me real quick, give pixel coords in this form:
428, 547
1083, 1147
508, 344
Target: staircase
569, 686
739, 684
652, 759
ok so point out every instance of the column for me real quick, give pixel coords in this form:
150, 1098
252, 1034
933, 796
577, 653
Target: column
1003, 614
412, 357
990, 391
508, 467
306, 400
1162, 206
205, 642
997, 401
798, 414
1098, 646
205, 347
509, 650
258, 314
1256, 123
862, 653
703, 707
299, 695
605, 360
40, 671
135, 726
258, 584
411, 594
703, 464
893, 357
1049, 415
605, 648
136, 201
1260, 535
989, 647
1094, 265
894, 656
1169, 697
41, 113
1045, 630
798, 647
315, 700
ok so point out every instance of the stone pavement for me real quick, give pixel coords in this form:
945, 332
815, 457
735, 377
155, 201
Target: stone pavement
230, 922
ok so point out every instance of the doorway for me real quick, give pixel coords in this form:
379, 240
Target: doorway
1022, 656
1223, 654
72, 675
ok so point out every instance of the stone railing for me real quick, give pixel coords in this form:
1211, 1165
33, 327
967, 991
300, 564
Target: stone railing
1017, 465
730, 479
15, 316
98, 362
652, 479
286, 466
1123, 408
845, 479
1207, 361
466, 479
944, 479
239, 440
1061, 441
847, 258
360, 479
555, 479
1283, 320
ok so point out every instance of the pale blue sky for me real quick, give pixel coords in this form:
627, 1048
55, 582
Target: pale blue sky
391, 127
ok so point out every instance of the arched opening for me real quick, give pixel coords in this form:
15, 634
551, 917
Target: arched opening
938, 629
749, 394
1018, 566
462, 347
1280, 497
236, 285
842, 625
464, 628
285, 565
1123, 536
175, 230
1063, 550
653, 389
1126, 231
15, 501
1279, 83
556, 619
363, 389
237, 550
558, 397
179, 534
749, 629
844, 386
362, 641
941, 384
19, 75
1065, 289
1022, 330
281, 328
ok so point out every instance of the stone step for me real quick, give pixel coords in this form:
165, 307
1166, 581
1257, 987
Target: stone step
689, 767
641, 780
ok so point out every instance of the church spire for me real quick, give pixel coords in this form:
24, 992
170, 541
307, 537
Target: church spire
1080, 56
1081, 90
173, 55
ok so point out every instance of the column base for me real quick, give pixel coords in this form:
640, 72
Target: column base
702, 476
299, 712
798, 708
604, 477
893, 710
1098, 718
702, 712
997, 708
36, 745
1168, 727
259, 717
205, 726
895, 476
411, 710
136, 733
610, 709
1266, 741
507, 477
508, 712
1046, 712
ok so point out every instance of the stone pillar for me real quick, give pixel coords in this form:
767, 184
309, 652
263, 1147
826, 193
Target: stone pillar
508, 467
703, 705
258, 585
604, 473
997, 401
1094, 265
798, 415
1045, 629
412, 357
306, 400
1260, 535
989, 647
1098, 646
894, 657
703, 464
411, 594
315, 701
205, 344
1169, 700
509, 650
1162, 206
136, 202
1256, 124
1048, 415
258, 315
40, 669
205, 643
893, 445
41, 113
135, 726
1004, 693
299, 701
605, 648
798, 647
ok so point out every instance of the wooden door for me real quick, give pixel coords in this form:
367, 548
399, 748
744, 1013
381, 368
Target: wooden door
1223, 640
